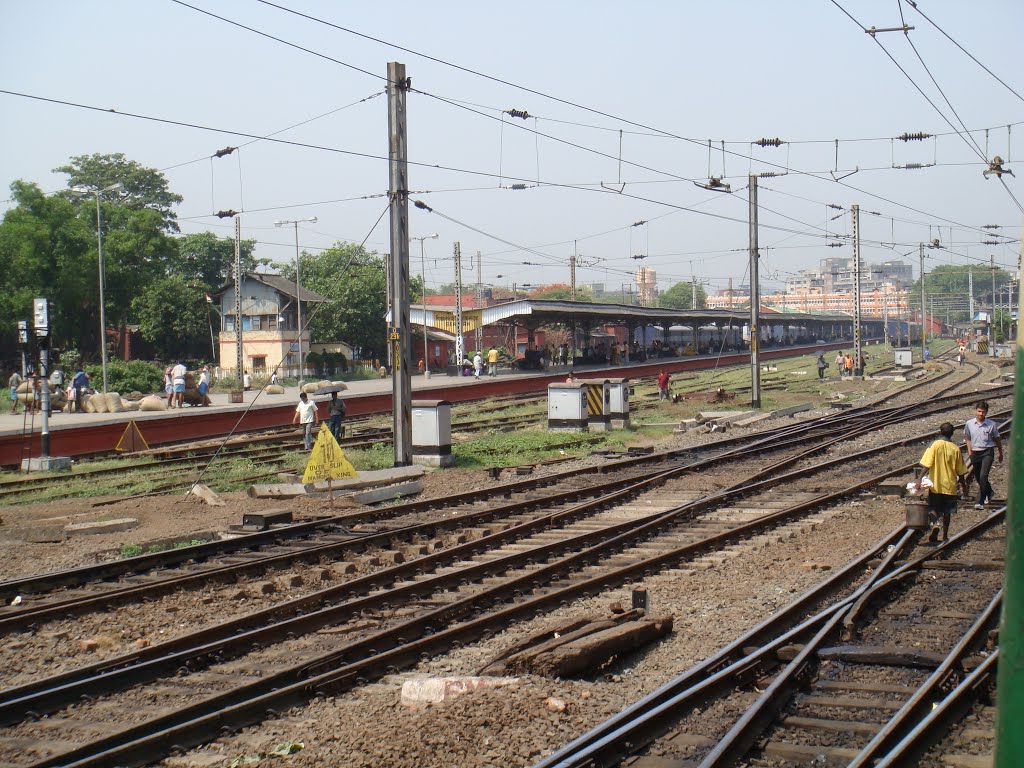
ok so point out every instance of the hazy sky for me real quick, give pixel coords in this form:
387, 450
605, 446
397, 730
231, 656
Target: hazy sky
668, 75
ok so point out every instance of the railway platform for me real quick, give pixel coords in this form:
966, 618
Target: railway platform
76, 434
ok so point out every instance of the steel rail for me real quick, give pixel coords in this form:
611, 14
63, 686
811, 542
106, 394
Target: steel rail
30, 614
917, 707
935, 725
404, 570
641, 723
289, 686
149, 561
776, 697
634, 722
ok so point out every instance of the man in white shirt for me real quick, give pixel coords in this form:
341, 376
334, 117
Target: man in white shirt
178, 383
306, 415
478, 365
204, 385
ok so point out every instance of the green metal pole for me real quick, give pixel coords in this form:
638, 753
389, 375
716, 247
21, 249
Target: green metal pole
1010, 694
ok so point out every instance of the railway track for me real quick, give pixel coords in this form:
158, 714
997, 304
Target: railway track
846, 685
397, 525
460, 593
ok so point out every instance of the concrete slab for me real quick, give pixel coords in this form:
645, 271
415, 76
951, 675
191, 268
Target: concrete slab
103, 526
792, 409
34, 534
46, 464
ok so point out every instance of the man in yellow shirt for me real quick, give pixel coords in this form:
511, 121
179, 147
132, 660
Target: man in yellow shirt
492, 362
946, 468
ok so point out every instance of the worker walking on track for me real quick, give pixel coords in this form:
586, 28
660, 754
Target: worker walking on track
983, 441
306, 415
663, 385
946, 471
335, 413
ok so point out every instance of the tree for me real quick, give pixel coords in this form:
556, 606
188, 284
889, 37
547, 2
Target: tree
948, 285
45, 250
563, 293
143, 187
680, 296
208, 260
173, 316
352, 279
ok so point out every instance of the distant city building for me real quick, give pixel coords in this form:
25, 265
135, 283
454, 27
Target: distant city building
835, 275
728, 298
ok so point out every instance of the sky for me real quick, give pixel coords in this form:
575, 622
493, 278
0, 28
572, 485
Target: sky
622, 98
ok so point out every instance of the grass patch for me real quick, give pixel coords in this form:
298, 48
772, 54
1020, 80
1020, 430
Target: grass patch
507, 449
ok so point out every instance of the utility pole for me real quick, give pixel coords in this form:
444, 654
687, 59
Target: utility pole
970, 295
478, 332
885, 316
920, 256
423, 297
857, 367
755, 299
399, 338
572, 273
239, 358
460, 352
992, 317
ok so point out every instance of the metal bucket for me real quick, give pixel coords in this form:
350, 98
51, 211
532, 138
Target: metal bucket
917, 512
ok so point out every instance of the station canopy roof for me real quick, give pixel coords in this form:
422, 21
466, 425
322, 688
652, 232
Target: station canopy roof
544, 312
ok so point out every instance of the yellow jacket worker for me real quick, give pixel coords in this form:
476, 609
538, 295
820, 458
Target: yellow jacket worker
946, 469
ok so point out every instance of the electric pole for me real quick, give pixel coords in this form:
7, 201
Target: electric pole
992, 317
478, 332
755, 299
572, 273
920, 255
885, 316
857, 367
460, 352
399, 338
970, 295
238, 301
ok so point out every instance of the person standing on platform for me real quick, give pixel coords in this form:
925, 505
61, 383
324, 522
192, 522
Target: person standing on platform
204, 385
246, 381
663, 384
178, 381
80, 383
946, 470
168, 387
13, 383
335, 413
306, 415
478, 365
492, 362
822, 365
983, 441
273, 377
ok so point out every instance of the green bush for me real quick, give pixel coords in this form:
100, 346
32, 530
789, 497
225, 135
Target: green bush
131, 550
133, 376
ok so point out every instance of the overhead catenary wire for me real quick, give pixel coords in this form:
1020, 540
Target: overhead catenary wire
968, 140
560, 100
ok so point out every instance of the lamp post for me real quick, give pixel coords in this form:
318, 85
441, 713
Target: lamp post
98, 193
298, 301
423, 297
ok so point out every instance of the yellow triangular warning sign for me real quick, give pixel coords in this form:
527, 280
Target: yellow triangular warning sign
132, 439
327, 462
